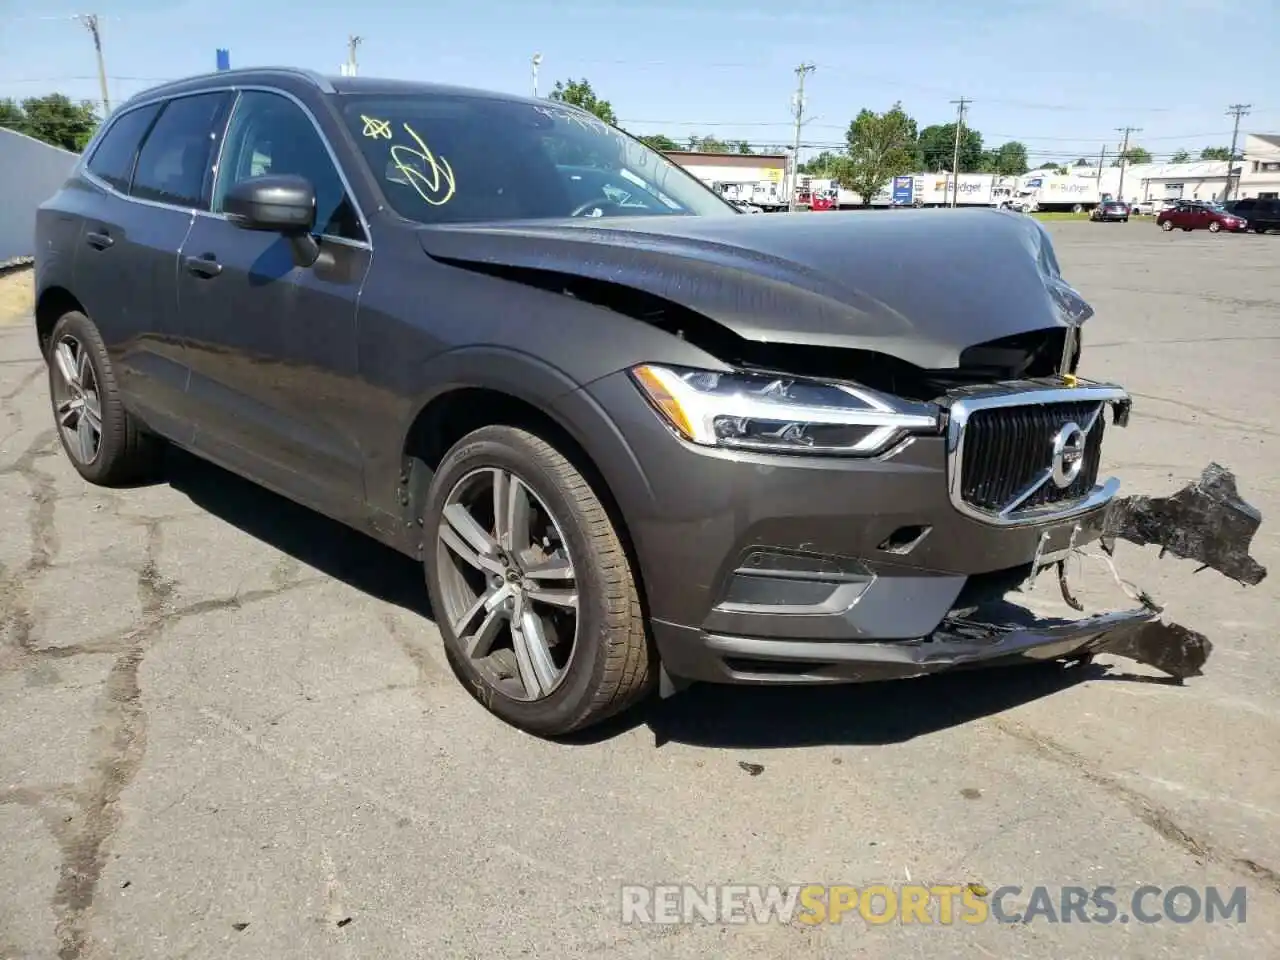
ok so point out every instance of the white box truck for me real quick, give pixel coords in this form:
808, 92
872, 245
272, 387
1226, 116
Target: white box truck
1058, 193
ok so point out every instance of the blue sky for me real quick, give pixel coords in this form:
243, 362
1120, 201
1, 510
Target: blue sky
1060, 75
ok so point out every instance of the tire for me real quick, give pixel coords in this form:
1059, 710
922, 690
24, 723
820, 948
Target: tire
608, 665
80, 375
1078, 208
1167, 226
1214, 227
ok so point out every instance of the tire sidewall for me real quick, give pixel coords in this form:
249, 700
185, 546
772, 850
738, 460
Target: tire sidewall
506, 448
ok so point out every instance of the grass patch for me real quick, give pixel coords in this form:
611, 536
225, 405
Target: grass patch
1061, 216
16, 295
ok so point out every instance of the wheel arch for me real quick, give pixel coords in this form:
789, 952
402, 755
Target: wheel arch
53, 303
486, 386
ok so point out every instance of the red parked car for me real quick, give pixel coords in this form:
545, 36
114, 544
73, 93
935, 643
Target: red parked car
1191, 215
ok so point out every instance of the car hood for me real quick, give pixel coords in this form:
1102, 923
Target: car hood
919, 285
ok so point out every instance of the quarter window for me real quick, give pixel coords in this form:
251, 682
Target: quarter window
112, 159
176, 161
270, 134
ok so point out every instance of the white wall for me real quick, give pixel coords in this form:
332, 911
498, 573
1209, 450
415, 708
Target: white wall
30, 173
711, 173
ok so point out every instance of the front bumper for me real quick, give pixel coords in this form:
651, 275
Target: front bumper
996, 634
830, 568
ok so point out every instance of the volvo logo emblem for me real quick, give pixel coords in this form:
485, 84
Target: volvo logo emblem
1068, 455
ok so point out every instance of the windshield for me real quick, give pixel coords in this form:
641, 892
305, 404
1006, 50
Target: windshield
455, 159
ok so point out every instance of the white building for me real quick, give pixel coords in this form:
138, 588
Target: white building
1260, 170
1258, 176
732, 168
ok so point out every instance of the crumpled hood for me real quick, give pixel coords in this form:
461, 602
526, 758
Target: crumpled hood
920, 285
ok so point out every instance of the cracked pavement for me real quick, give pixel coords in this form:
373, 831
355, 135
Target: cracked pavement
226, 724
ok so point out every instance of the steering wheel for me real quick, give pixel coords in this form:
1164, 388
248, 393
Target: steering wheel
601, 202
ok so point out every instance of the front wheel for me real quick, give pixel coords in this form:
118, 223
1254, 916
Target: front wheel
530, 585
101, 439
1167, 226
1215, 227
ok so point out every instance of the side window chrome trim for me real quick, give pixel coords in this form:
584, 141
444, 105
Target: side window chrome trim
83, 165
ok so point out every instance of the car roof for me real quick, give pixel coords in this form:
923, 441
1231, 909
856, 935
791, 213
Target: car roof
339, 86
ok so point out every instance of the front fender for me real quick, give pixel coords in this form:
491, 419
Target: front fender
541, 385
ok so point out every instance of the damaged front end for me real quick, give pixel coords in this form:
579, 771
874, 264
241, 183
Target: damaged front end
1207, 521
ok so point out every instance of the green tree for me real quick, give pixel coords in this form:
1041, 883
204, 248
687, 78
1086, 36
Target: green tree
580, 94
1215, 153
1007, 160
1134, 155
11, 115
744, 147
54, 118
937, 145
824, 164
1182, 156
659, 141
711, 145
881, 146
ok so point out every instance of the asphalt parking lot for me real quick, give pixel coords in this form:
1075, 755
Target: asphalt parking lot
227, 728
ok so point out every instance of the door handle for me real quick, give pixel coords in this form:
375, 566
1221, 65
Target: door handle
99, 241
205, 266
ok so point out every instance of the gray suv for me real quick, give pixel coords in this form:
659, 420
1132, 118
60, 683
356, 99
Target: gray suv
635, 437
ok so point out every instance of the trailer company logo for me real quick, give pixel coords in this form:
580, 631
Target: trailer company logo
931, 904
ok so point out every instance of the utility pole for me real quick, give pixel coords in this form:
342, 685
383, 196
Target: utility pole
1102, 161
955, 160
1124, 157
1237, 110
802, 71
353, 41
536, 61
90, 20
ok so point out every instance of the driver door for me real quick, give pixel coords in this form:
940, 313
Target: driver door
272, 345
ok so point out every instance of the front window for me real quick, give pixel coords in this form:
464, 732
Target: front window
455, 159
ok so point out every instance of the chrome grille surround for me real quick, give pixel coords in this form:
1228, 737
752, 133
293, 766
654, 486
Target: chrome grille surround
1009, 432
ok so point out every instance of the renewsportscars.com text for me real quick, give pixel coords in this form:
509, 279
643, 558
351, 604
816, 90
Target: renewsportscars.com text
943, 904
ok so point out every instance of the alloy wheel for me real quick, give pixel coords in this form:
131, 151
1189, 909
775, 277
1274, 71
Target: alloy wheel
77, 404
507, 583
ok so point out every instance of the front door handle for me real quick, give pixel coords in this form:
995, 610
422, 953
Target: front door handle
99, 241
205, 266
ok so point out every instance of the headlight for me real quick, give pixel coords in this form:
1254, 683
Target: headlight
775, 413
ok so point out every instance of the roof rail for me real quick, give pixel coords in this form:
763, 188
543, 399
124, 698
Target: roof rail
316, 79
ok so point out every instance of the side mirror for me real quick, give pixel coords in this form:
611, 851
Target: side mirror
283, 203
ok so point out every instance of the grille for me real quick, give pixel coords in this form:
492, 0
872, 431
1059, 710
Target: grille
1006, 449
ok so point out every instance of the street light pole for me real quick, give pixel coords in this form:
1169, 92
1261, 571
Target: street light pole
535, 63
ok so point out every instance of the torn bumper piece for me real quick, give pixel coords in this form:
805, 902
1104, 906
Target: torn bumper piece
998, 633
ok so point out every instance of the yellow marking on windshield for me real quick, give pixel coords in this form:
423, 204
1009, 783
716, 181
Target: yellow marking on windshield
376, 129
435, 184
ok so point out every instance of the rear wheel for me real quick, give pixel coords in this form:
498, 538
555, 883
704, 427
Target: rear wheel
1167, 226
103, 442
531, 586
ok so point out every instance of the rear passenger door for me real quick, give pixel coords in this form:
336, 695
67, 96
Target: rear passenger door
153, 171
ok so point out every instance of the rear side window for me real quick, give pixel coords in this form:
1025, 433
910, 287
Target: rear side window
176, 162
1243, 205
113, 158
